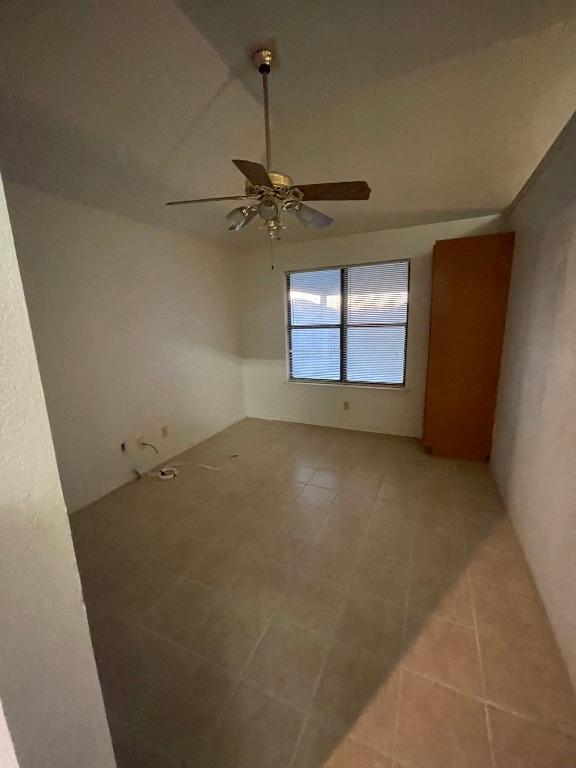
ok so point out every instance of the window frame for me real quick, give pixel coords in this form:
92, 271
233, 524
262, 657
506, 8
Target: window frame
344, 326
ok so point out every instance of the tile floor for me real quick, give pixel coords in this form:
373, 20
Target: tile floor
325, 598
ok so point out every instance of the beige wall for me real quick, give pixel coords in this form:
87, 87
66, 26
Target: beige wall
534, 454
135, 329
48, 683
269, 395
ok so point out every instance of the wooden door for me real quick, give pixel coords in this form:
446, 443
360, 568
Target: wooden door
470, 279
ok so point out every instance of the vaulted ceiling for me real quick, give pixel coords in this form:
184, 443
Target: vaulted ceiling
444, 106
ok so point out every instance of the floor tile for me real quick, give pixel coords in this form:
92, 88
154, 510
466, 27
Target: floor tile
349, 754
255, 731
445, 598
182, 611
357, 504
260, 586
230, 635
519, 743
438, 728
320, 738
131, 751
381, 576
445, 652
301, 548
304, 520
331, 561
513, 611
350, 679
312, 603
178, 715
326, 478
287, 661
522, 677
358, 483
372, 623
316, 496
219, 566
501, 569
375, 724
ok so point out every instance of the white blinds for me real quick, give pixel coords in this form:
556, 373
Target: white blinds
348, 324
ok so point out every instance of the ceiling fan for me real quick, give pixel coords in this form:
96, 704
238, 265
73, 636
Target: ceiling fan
271, 194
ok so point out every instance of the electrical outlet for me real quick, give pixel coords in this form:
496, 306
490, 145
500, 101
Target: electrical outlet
346, 405
164, 430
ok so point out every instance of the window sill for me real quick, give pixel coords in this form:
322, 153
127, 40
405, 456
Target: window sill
346, 385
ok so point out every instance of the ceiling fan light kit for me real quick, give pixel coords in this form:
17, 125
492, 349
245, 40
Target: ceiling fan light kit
272, 193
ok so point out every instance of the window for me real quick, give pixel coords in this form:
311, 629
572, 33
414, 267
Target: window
348, 324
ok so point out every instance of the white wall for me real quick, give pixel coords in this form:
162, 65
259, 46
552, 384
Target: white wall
135, 328
534, 455
48, 684
269, 395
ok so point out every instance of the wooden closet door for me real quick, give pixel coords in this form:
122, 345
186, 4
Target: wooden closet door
470, 279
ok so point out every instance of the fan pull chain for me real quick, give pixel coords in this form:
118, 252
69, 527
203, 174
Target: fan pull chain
271, 254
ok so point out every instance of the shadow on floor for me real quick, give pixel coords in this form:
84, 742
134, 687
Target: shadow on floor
325, 598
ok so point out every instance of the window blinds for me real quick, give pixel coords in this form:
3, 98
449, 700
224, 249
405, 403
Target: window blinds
348, 324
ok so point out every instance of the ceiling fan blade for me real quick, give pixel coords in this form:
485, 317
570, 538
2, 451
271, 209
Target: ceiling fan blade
207, 200
256, 174
338, 190
310, 217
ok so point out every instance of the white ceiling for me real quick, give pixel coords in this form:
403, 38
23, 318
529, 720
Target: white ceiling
444, 106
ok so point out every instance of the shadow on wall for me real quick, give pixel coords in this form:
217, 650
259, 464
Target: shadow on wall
242, 615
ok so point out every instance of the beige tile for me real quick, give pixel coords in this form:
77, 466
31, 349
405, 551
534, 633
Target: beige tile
316, 496
282, 547
287, 661
438, 554
349, 754
133, 663
230, 635
349, 681
255, 731
445, 652
182, 611
304, 520
252, 549
438, 728
445, 598
389, 535
375, 724
219, 566
140, 589
326, 478
358, 483
320, 738
356, 504
260, 586
522, 677
178, 714
131, 751
382, 576
490, 529
341, 527
331, 561
372, 623
312, 603
515, 612
519, 743
501, 569
174, 547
